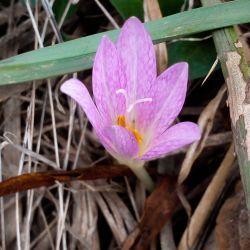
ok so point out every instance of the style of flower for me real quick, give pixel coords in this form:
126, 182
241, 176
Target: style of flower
133, 109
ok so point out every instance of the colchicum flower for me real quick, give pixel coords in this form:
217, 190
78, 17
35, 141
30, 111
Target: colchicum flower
133, 109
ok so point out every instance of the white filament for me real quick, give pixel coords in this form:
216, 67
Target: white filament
123, 92
132, 105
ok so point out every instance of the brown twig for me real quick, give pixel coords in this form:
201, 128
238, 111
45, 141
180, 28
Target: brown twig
45, 179
159, 208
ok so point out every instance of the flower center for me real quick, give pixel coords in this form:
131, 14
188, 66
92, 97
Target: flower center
121, 121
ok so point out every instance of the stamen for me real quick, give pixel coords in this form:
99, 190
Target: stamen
121, 121
136, 134
124, 93
131, 106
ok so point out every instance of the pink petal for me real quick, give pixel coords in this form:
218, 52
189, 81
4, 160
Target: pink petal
172, 139
77, 90
123, 141
108, 77
168, 93
138, 58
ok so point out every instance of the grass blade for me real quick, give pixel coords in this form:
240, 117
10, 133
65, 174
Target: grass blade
78, 54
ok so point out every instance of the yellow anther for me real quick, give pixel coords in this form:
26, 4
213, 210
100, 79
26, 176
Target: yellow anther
121, 121
136, 134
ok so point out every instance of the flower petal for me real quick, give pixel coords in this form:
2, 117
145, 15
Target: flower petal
77, 90
168, 93
174, 138
108, 77
138, 59
124, 142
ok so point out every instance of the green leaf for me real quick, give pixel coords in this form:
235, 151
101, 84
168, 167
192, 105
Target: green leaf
59, 7
200, 56
78, 54
128, 8
170, 7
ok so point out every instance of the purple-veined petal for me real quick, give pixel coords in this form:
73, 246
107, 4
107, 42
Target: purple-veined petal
138, 59
172, 139
77, 90
168, 94
123, 142
108, 77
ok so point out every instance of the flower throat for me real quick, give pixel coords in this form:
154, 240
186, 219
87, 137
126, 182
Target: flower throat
121, 119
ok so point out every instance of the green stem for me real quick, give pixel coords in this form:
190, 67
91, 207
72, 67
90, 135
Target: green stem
142, 174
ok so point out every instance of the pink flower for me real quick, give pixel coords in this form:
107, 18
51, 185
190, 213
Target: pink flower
133, 109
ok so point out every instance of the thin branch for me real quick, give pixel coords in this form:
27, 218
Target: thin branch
39, 179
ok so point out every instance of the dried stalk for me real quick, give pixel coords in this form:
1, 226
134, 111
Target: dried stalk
205, 123
39, 179
208, 201
237, 75
152, 12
